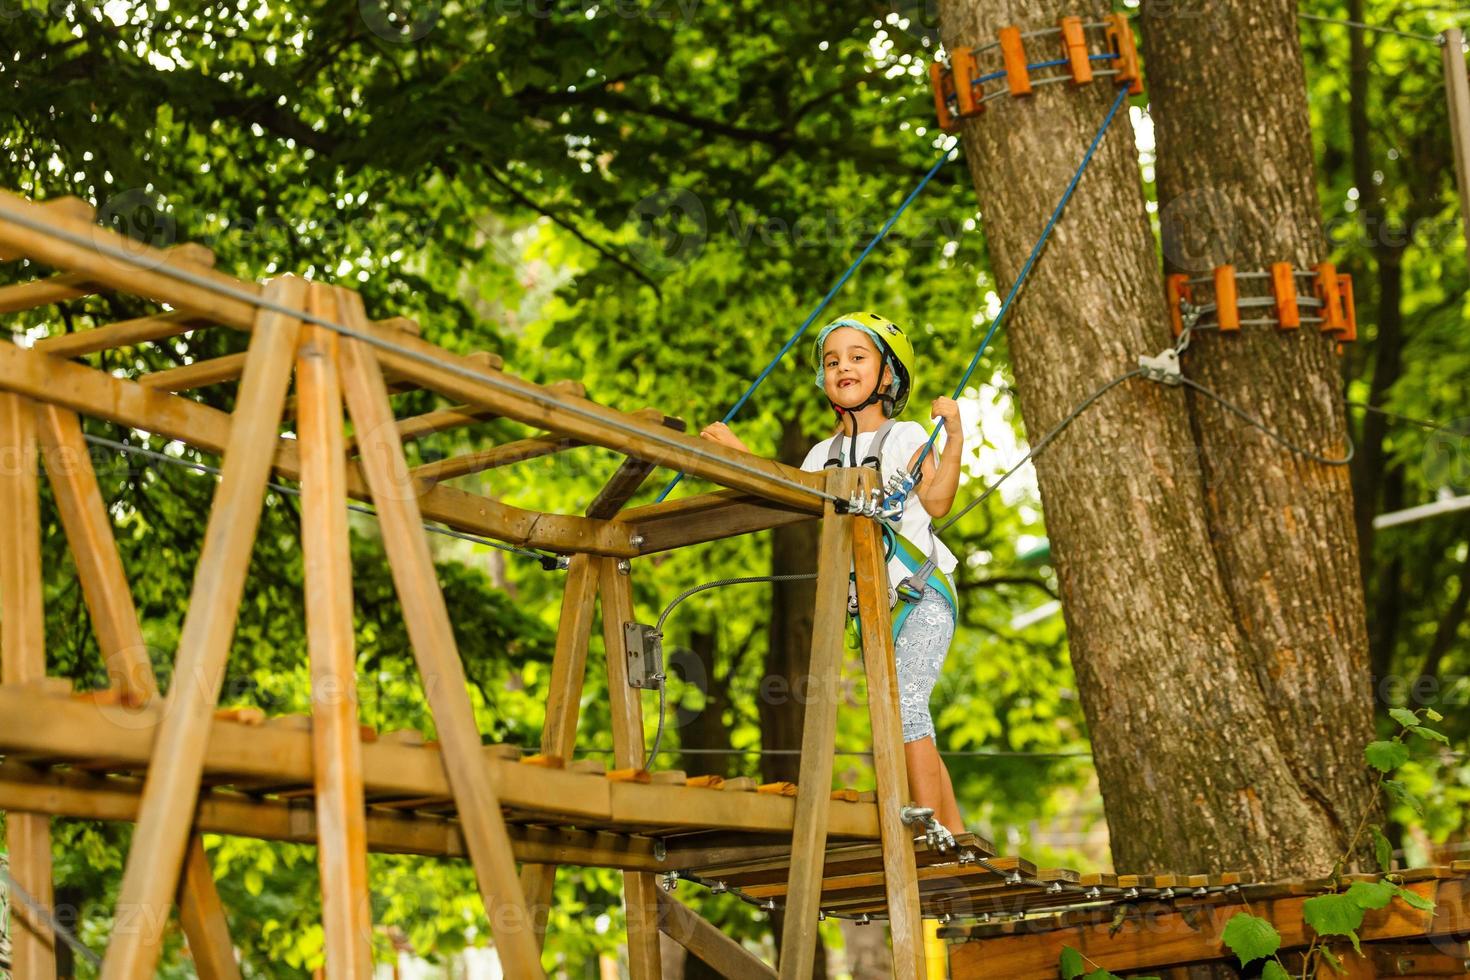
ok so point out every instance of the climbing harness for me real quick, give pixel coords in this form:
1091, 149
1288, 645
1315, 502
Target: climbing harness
922, 566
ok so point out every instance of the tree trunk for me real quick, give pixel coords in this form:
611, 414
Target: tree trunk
1191, 774
793, 552
1229, 95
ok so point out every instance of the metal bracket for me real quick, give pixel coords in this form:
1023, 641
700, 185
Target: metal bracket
644, 647
1163, 367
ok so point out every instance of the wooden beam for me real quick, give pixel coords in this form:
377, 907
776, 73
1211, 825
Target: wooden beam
518, 451
435, 649
69, 206
104, 584
596, 425
419, 426
70, 794
629, 477
640, 891
157, 852
819, 728
73, 245
336, 741
203, 917
706, 517
99, 734
199, 374
690, 930
1457, 92
1190, 932
23, 659
96, 393
905, 920
74, 285
123, 333
563, 703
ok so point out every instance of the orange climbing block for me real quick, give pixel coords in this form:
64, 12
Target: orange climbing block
1013, 58
1283, 288
942, 82
1330, 293
1074, 49
1349, 308
966, 92
1121, 41
1178, 289
1227, 298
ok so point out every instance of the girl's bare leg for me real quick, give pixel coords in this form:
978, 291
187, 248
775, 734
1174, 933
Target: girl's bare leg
929, 783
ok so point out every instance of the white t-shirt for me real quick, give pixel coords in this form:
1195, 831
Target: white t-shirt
904, 439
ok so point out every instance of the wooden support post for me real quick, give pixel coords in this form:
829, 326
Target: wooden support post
563, 702
690, 930
1457, 91
336, 740
115, 621
901, 881
640, 891
395, 497
22, 659
819, 729
172, 786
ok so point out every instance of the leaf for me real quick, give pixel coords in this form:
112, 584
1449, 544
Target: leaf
1430, 734
1433, 715
1071, 964
1274, 971
1382, 849
1101, 975
1334, 915
1250, 937
1399, 793
1404, 717
1414, 899
1386, 755
1332, 960
1372, 894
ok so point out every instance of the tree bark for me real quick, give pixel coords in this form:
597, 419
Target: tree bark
1191, 771
1228, 90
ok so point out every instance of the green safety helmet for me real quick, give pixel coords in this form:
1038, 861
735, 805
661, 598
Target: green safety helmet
897, 350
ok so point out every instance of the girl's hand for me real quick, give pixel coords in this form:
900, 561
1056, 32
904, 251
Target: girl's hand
949, 410
720, 432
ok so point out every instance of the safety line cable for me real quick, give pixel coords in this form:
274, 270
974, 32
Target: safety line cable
548, 561
543, 399
44, 914
658, 629
1278, 437
841, 281
1359, 25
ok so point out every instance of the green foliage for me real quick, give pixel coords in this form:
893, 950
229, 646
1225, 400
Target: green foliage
494, 178
1386, 756
1250, 938
1072, 965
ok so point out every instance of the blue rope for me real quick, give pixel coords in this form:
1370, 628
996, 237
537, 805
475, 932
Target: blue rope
997, 75
1025, 270
806, 324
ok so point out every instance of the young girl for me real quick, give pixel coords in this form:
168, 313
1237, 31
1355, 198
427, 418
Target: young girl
865, 365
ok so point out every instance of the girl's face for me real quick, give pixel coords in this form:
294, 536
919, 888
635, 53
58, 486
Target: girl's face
852, 368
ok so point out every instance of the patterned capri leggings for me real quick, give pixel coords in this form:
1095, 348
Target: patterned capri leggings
920, 652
